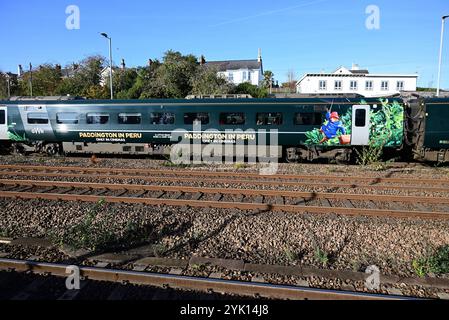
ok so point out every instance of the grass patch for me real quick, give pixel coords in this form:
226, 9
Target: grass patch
5, 233
170, 164
159, 250
240, 165
198, 267
436, 263
92, 232
95, 231
369, 155
321, 257
290, 255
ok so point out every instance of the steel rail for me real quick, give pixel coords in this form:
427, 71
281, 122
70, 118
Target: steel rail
247, 192
240, 288
230, 205
226, 180
226, 174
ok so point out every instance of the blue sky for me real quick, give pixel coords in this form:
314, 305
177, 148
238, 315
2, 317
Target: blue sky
302, 35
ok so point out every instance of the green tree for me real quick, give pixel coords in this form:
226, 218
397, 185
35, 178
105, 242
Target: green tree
268, 79
123, 81
13, 85
207, 81
86, 80
253, 90
45, 81
171, 78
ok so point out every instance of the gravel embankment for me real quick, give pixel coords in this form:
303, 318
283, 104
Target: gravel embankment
351, 243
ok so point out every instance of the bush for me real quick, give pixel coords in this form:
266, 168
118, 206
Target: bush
369, 155
438, 263
93, 232
321, 256
253, 90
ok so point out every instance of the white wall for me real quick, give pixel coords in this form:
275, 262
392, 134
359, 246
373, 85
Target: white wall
310, 84
256, 76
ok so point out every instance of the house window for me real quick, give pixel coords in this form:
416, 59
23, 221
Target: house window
353, 85
244, 75
194, 117
129, 118
231, 76
307, 118
337, 85
97, 118
384, 85
249, 75
37, 118
322, 84
162, 118
269, 119
400, 85
369, 85
232, 118
67, 118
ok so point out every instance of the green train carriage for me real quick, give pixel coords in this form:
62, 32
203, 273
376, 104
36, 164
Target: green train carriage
153, 126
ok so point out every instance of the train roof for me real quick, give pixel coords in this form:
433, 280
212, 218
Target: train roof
308, 100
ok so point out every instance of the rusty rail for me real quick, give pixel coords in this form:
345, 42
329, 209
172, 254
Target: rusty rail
240, 288
225, 179
233, 191
226, 174
222, 204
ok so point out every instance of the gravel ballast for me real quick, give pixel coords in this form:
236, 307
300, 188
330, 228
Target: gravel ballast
351, 243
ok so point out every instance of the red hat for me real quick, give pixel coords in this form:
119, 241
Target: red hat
335, 115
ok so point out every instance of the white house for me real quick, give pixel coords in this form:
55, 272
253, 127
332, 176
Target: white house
239, 71
105, 75
358, 81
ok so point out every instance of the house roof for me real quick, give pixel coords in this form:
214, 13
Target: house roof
357, 74
68, 72
234, 64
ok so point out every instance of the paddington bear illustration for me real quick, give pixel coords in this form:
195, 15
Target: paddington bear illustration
332, 127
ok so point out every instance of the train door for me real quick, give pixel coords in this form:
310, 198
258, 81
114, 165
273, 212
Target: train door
3, 123
360, 125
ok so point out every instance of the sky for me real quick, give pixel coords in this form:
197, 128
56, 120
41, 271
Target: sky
299, 35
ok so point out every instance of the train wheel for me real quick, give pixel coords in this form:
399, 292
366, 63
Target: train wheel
52, 149
18, 149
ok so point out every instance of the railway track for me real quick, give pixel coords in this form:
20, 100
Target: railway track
214, 197
229, 287
401, 206
240, 178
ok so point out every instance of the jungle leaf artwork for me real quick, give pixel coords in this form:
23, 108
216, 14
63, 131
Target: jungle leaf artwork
14, 136
386, 126
314, 136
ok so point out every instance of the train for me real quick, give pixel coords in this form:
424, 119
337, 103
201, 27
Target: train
294, 129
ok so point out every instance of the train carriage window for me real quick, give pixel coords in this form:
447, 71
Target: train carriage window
360, 118
129, 118
162, 118
67, 118
191, 117
267, 119
97, 118
233, 118
37, 118
308, 118
2, 117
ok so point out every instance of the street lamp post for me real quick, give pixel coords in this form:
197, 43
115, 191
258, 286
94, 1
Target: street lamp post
31, 80
110, 62
441, 54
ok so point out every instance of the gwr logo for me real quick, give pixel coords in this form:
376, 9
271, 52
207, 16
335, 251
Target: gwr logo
37, 131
